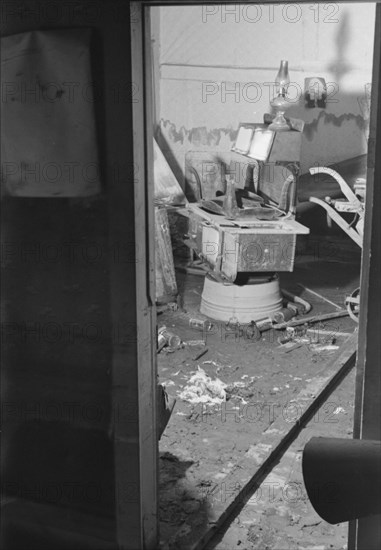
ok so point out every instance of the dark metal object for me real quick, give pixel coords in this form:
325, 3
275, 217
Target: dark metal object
353, 305
342, 477
315, 319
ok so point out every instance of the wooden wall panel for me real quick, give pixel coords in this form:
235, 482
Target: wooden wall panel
70, 450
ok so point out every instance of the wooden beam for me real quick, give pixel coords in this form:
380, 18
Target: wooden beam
145, 274
365, 534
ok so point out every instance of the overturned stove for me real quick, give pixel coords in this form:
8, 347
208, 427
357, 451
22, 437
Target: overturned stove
247, 236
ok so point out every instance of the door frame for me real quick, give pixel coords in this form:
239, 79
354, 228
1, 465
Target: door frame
364, 534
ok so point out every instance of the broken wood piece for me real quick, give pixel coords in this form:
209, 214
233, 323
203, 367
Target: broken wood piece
166, 187
166, 285
201, 354
299, 345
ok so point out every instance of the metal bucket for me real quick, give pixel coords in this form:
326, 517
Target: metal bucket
246, 303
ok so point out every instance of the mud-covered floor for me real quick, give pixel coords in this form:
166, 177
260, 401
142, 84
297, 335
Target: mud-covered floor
204, 442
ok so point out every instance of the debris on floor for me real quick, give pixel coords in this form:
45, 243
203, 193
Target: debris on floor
238, 391
202, 389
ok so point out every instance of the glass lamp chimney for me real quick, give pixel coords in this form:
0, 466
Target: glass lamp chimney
282, 78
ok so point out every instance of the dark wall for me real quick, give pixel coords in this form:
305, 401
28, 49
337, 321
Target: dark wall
59, 333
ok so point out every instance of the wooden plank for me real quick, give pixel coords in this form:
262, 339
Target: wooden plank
167, 188
365, 533
166, 286
259, 459
145, 284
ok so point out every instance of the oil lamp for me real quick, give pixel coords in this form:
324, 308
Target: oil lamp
280, 103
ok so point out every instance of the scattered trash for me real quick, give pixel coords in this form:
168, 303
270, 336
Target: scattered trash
339, 410
239, 384
306, 306
195, 343
242, 391
313, 524
324, 347
202, 389
323, 332
296, 332
285, 339
200, 324
315, 319
213, 363
167, 338
161, 341
253, 332
171, 306
264, 324
201, 354
285, 314
292, 348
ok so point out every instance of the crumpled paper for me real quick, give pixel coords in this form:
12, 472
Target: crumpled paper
202, 389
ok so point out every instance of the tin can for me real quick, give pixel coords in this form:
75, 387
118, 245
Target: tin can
161, 339
284, 315
167, 338
200, 324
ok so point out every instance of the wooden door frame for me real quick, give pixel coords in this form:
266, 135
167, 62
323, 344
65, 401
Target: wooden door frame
367, 424
365, 534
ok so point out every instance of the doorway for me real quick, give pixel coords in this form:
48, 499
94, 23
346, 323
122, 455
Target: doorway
195, 494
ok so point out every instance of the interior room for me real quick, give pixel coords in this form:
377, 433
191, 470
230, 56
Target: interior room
190, 275
236, 358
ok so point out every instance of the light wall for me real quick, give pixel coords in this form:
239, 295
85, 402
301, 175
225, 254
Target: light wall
213, 63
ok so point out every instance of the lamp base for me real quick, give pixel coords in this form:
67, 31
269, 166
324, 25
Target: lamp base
279, 127
279, 124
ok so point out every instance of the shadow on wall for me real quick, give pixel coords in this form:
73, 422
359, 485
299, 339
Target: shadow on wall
210, 75
340, 66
